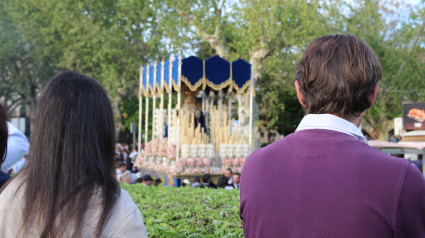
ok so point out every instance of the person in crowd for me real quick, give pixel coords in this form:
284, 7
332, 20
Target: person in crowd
196, 182
139, 180
207, 182
157, 182
129, 164
68, 186
170, 181
185, 182
226, 180
147, 180
133, 154
327, 181
17, 145
121, 168
235, 184
18, 166
3, 142
127, 177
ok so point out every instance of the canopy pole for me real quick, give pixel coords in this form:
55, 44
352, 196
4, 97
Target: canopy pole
170, 86
147, 108
230, 110
162, 102
220, 105
154, 104
139, 133
251, 102
178, 108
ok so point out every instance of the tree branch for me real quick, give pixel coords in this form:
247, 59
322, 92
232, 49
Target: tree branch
212, 39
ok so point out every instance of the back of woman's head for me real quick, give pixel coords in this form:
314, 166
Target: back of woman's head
3, 133
74, 128
71, 154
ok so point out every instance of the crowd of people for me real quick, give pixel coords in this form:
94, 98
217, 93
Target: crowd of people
228, 181
127, 173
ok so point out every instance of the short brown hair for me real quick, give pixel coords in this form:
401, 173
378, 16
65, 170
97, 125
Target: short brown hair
338, 74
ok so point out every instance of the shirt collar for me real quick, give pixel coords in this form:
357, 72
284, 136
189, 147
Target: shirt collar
331, 122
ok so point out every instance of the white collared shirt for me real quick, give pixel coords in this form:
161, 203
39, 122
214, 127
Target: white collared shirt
331, 122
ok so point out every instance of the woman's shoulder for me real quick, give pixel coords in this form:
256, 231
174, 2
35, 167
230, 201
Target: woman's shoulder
126, 218
12, 193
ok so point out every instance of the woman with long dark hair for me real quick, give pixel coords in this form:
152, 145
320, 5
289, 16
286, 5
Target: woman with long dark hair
68, 186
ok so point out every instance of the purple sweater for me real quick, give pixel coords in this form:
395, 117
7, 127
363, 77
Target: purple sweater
321, 183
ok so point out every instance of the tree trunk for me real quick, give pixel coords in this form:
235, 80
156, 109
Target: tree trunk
117, 116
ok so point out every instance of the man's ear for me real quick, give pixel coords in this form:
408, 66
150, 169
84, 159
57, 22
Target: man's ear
299, 94
373, 96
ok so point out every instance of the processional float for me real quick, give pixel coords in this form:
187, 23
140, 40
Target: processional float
210, 127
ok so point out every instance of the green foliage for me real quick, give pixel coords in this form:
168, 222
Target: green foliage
23, 72
391, 40
188, 212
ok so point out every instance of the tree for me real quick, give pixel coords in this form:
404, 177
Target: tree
398, 46
269, 34
107, 40
22, 71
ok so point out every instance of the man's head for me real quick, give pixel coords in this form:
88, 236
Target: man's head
147, 180
236, 178
206, 178
122, 167
126, 177
228, 173
157, 182
338, 74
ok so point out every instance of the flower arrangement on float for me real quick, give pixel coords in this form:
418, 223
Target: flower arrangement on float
202, 134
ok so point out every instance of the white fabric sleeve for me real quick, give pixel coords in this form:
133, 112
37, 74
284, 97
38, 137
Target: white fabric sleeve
132, 226
17, 147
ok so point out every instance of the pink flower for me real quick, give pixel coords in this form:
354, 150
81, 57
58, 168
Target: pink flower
190, 162
181, 163
198, 161
227, 162
187, 170
235, 161
206, 161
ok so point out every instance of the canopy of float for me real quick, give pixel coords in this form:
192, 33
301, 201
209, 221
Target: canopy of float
214, 73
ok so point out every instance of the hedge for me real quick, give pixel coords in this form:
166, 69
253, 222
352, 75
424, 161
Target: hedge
188, 212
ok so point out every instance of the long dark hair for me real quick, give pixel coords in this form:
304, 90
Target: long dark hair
71, 157
3, 133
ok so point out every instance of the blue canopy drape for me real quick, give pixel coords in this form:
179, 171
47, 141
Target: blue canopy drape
158, 78
241, 75
175, 74
193, 72
145, 84
215, 73
152, 79
167, 75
